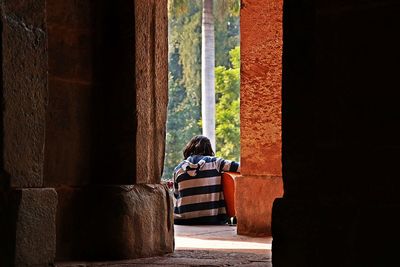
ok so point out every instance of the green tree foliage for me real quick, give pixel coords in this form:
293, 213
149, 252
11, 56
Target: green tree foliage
227, 87
227, 29
184, 110
184, 79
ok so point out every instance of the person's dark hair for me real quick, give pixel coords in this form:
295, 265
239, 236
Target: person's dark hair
198, 145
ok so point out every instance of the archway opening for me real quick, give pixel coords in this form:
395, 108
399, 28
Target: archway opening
191, 26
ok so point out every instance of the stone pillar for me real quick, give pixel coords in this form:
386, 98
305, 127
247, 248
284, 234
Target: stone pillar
260, 116
151, 72
80, 177
27, 210
106, 128
341, 141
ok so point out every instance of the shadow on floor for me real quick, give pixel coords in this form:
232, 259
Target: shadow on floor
203, 246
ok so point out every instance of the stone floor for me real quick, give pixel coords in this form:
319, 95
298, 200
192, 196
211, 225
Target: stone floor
203, 246
219, 238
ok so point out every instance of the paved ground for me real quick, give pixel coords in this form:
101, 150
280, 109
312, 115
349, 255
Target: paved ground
203, 246
219, 238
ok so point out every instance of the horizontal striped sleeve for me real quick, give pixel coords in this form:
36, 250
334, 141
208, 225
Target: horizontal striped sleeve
235, 167
229, 166
210, 159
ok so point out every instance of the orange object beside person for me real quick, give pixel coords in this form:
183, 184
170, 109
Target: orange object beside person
228, 185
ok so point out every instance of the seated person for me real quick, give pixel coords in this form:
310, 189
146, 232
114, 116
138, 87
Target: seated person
198, 187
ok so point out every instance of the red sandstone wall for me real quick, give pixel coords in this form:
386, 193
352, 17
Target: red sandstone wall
260, 114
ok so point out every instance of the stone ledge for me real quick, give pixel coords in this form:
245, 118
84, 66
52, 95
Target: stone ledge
114, 222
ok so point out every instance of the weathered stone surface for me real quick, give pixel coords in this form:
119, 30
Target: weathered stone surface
114, 222
260, 91
187, 258
254, 198
151, 28
30, 228
69, 115
30, 13
24, 83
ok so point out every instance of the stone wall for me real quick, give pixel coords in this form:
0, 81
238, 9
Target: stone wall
84, 87
24, 88
27, 209
260, 116
340, 135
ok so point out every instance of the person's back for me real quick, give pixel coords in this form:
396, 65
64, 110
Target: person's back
197, 185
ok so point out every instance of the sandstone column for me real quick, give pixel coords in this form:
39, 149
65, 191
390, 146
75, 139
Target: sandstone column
106, 128
151, 72
260, 115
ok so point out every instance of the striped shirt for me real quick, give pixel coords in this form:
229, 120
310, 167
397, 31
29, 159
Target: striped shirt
198, 190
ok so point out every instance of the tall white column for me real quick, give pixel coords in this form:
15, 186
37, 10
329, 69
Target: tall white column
207, 72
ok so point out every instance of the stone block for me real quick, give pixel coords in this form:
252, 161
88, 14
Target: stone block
29, 227
254, 197
114, 222
24, 83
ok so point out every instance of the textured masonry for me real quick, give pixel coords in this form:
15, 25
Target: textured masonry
84, 87
260, 116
